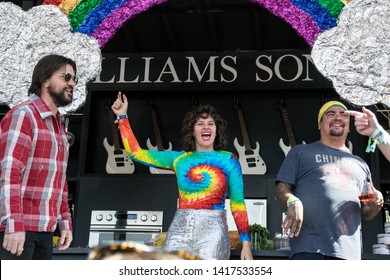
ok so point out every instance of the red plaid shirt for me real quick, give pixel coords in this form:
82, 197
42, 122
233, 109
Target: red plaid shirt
33, 159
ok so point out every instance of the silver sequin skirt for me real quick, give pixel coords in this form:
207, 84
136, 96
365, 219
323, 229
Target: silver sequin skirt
203, 233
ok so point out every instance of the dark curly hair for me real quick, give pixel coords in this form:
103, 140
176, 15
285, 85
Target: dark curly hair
203, 111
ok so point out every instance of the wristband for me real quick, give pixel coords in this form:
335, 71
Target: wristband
378, 137
121, 117
293, 200
375, 133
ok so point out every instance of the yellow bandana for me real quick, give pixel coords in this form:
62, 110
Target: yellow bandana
327, 105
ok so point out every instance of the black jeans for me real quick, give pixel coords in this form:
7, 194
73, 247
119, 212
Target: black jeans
37, 246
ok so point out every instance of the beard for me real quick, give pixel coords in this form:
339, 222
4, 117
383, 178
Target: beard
336, 133
59, 97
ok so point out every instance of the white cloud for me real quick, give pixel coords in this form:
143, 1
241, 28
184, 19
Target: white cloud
26, 36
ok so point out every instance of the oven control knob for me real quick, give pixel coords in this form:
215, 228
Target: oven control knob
153, 218
99, 217
109, 217
144, 218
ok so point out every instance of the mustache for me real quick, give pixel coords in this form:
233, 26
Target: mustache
69, 88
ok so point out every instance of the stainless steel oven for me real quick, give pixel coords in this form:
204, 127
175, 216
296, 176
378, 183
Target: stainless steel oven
108, 226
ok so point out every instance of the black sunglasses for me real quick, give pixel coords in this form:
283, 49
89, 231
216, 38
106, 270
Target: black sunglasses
68, 76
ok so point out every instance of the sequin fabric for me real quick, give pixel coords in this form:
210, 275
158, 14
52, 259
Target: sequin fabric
203, 233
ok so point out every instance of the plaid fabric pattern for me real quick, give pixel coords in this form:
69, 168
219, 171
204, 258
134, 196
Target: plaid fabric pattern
33, 159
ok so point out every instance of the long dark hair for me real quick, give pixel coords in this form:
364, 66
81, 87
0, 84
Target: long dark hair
203, 111
45, 67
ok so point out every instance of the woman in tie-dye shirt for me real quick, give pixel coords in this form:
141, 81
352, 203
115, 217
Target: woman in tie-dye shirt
205, 176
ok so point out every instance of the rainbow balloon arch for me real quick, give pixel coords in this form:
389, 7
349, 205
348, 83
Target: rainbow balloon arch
349, 40
101, 19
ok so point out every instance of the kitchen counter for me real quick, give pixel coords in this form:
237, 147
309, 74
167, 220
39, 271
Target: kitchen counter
81, 253
72, 253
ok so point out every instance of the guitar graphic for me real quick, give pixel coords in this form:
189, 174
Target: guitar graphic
118, 161
159, 143
289, 129
250, 160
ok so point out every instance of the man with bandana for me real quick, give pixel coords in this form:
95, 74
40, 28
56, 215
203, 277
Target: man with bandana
320, 184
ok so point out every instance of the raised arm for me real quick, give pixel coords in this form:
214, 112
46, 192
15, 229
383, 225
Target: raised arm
120, 105
128, 138
161, 159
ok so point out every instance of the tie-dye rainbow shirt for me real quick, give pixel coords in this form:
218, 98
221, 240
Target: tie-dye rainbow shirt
203, 178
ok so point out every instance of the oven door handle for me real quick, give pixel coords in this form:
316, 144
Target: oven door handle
100, 229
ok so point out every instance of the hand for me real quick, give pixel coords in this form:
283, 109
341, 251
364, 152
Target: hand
65, 239
365, 122
293, 221
14, 242
376, 201
371, 208
120, 105
246, 252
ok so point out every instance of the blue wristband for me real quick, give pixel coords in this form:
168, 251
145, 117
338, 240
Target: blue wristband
121, 117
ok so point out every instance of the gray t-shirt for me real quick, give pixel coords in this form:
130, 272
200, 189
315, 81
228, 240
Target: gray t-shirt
328, 182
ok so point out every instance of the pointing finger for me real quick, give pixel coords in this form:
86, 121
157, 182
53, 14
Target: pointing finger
354, 113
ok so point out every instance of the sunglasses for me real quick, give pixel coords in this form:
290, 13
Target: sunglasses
68, 76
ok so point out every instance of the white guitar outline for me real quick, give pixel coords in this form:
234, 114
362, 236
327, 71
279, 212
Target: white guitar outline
250, 160
289, 130
118, 161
